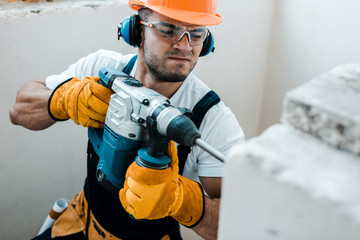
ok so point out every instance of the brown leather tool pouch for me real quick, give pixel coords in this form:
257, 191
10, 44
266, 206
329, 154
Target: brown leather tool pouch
73, 220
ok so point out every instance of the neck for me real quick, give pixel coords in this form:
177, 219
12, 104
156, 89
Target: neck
143, 74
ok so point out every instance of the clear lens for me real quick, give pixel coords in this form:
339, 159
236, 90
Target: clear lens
198, 35
171, 32
166, 30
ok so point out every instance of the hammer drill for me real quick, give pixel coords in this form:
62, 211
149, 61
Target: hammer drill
139, 123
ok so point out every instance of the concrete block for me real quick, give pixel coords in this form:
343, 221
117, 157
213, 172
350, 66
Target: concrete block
328, 107
287, 184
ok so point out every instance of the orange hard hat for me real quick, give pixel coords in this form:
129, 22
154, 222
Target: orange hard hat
198, 12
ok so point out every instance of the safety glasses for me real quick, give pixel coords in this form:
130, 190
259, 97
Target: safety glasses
173, 33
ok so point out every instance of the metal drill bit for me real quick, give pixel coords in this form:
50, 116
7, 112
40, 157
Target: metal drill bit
210, 149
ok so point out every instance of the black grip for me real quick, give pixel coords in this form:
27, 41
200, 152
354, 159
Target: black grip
183, 131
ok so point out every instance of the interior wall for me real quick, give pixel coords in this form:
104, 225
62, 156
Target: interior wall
38, 167
308, 38
236, 69
262, 51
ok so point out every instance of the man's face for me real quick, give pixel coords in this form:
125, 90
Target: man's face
166, 61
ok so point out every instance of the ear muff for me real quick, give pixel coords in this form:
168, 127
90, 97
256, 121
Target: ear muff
208, 45
129, 30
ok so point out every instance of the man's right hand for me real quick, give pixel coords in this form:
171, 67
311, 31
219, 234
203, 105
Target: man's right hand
84, 101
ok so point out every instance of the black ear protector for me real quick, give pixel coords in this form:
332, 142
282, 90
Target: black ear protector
129, 30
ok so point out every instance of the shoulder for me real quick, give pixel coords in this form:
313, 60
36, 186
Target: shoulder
220, 118
107, 58
219, 125
90, 66
194, 90
220, 114
219, 128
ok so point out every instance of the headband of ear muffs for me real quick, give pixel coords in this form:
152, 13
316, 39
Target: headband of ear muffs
129, 30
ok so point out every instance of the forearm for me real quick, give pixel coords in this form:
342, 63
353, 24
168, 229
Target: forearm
30, 107
208, 227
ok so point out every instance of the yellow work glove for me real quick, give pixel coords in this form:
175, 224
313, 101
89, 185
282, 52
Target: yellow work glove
153, 194
84, 101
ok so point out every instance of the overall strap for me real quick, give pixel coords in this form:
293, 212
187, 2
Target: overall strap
198, 114
127, 69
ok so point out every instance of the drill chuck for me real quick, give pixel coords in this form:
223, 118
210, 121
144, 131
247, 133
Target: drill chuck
182, 130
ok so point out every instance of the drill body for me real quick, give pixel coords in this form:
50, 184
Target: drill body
139, 123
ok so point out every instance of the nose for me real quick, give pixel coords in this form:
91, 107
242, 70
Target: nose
183, 43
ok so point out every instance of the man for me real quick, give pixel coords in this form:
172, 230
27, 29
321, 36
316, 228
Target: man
171, 36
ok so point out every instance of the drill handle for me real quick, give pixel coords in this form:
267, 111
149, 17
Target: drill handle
157, 143
107, 76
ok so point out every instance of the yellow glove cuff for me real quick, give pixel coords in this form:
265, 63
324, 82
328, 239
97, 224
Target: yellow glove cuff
190, 203
56, 102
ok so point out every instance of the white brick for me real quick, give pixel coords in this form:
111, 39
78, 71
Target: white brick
287, 184
328, 107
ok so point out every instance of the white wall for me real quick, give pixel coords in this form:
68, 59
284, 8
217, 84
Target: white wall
236, 70
308, 38
283, 45
39, 167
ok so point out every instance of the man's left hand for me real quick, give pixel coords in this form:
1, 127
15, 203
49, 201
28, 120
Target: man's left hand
153, 194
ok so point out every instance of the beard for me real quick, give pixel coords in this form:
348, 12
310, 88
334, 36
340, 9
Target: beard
158, 70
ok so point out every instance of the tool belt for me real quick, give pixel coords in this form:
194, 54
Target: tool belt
73, 220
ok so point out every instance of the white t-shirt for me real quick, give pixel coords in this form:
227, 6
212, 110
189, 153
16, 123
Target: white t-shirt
219, 127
